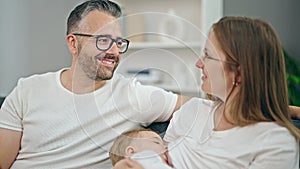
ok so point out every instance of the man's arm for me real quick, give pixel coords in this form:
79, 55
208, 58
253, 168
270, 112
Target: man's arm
295, 112
9, 147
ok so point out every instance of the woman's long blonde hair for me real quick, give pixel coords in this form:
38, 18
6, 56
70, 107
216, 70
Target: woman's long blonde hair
254, 45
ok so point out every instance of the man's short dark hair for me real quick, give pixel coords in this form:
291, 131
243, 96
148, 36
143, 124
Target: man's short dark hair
83, 9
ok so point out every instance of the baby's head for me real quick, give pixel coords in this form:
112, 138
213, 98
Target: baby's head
135, 141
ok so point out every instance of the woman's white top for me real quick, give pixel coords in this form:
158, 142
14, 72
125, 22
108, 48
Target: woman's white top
194, 143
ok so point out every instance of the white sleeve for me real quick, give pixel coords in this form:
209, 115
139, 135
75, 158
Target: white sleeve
176, 127
187, 121
156, 104
11, 113
282, 151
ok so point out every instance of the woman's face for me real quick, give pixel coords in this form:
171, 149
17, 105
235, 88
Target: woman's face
216, 78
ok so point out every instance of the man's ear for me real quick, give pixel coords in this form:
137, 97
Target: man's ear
129, 151
72, 44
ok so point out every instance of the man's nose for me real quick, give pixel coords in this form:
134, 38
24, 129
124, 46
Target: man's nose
114, 49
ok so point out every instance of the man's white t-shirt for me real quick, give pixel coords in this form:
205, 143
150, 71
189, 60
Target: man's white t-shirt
66, 130
194, 143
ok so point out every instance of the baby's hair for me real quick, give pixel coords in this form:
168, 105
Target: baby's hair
117, 150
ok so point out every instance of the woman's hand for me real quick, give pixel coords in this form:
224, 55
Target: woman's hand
127, 164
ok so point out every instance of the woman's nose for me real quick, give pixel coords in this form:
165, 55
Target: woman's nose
199, 64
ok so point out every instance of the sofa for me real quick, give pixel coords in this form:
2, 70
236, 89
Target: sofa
1, 101
161, 127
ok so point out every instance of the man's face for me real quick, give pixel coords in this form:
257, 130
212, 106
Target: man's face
98, 65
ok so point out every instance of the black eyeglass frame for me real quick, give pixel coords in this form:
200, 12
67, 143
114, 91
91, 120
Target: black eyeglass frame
107, 36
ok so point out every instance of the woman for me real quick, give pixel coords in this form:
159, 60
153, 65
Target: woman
248, 124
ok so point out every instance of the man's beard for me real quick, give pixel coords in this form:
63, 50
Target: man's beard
94, 70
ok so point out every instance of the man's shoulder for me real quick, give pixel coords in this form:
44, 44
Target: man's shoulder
38, 78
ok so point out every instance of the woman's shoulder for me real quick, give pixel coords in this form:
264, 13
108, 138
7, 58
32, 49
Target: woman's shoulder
268, 127
271, 132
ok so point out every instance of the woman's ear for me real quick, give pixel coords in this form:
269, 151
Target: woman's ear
72, 44
238, 77
129, 151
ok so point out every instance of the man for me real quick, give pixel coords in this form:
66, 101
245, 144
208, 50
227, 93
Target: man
69, 118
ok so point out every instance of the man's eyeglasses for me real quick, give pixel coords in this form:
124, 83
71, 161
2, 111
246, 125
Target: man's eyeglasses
105, 42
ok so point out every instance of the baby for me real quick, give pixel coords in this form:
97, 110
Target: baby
143, 145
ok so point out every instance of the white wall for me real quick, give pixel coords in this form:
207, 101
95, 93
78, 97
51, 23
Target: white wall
282, 14
32, 32
32, 38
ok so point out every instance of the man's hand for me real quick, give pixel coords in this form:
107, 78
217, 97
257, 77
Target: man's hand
295, 112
